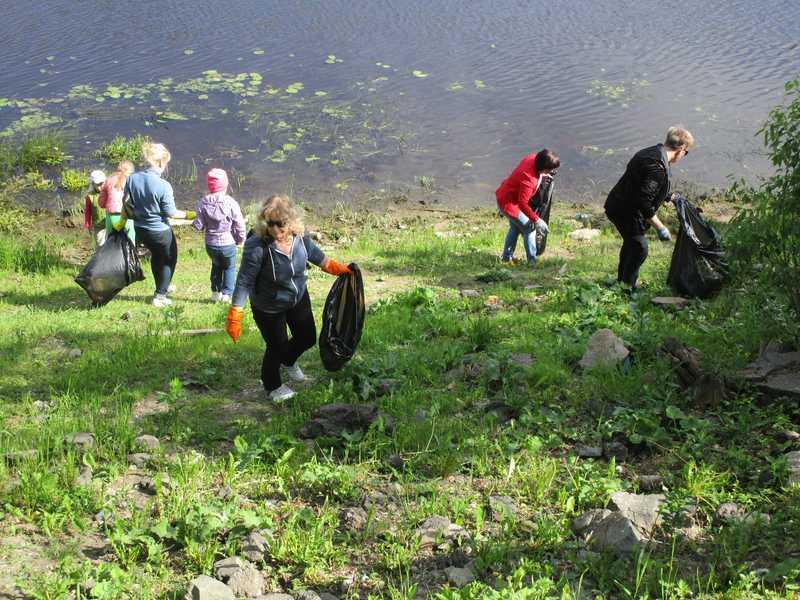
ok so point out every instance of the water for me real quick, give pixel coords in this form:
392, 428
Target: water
435, 100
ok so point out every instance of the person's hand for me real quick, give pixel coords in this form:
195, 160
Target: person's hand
233, 324
190, 214
523, 218
541, 226
663, 234
335, 268
120, 224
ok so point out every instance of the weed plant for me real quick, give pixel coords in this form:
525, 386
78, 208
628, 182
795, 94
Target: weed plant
74, 180
123, 148
43, 150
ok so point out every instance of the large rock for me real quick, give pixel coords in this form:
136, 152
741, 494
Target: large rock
333, 419
436, 530
793, 464
254, 546
604, 349
207, 588
246, 582
776, 371
606, 530
641, 509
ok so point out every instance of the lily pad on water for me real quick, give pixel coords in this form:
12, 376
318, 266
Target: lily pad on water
455, 86
312, 158
169, 115
418, 73
188, 52
294, 88
258, 51
480, 85
320, 93
332, 59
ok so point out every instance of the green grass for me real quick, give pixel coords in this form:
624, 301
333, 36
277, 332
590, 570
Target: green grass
42, 150
123, 148
74, 180
430, 358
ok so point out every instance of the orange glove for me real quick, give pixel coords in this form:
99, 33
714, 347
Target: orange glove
233, 324
335, 268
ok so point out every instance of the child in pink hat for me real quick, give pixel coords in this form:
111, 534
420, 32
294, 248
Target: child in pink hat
220, 217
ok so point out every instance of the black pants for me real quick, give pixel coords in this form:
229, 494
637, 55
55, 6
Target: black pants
280, 349
633, 252
164, 248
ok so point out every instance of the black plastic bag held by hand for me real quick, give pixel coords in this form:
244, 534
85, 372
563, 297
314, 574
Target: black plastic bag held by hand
699, 267
113, 266
342, 320
541, 203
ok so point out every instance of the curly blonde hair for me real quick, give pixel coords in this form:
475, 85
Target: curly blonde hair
156, 155
278, 208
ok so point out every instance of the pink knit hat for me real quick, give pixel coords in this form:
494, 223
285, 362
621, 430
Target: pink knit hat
217, 181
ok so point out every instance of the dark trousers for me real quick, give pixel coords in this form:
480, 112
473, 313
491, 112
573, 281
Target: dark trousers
164, 250
280, 349
633, 252
223, 268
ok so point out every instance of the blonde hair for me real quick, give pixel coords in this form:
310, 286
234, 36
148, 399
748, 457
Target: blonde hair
156, 155
124, 169
679, 137
278, 208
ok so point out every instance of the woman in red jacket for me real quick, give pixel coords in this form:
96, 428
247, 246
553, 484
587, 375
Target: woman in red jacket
513, 200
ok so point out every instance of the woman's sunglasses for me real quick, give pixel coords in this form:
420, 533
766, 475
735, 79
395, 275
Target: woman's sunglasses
276, 223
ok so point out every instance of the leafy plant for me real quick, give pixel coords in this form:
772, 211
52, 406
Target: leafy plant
74, 180
40, 151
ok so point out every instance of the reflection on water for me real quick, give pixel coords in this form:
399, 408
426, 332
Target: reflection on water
327, 98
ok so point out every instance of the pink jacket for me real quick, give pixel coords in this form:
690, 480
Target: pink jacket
110, 196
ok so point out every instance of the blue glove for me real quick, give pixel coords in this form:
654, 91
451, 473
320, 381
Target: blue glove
663, 235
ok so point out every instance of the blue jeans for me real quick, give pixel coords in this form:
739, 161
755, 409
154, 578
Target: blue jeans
223, 268
516, 229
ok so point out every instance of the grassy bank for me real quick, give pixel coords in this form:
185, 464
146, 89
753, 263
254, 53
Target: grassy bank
76, 521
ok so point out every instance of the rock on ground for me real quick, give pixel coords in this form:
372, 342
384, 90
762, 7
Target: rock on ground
436, 529
333, 419
607, 530
254, 546
670, 301
458, 576
641, 509
604, 348
246, 582
227, 566
147, 442
584, 235
208, 588
502, 507
793, 463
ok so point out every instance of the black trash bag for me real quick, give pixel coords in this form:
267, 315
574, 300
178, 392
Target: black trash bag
342, 320
541, 202
699, 267
113, 266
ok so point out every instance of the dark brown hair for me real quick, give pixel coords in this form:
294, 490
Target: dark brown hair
546, 160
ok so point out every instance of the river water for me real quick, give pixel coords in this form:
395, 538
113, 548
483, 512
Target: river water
435, 100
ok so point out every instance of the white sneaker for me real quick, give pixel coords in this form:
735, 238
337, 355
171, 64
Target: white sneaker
172, 289
160, 300
294, 372
280, 394
215, 296
225, 298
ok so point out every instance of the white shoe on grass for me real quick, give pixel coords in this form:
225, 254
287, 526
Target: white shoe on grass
160, 300
281, 394
171, 289
225, 298
294, 372
215, 296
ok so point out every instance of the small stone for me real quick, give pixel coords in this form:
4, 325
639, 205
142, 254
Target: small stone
85, 476
226, 567
502, 508
208, 588
246, 582
459, 577
675, 302
148, 485
729, 511
616, 450
225, 492
104, 518
470, 293
651, 483
354, 518
435, 530
375, 499
83, 440
139, 459
493, 302
396, 462
589, 451
789, 436
308, 595
41, 406
147, 442
584, 235
75, 353
604, 349
254, 546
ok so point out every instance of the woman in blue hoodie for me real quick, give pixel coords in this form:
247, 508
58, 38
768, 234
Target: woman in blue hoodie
273, 276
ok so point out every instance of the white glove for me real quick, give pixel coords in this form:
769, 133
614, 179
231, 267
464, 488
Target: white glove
541, 226
522, 218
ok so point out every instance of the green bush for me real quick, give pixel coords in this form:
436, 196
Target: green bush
74, 180
766, 235
121, 148
42, 150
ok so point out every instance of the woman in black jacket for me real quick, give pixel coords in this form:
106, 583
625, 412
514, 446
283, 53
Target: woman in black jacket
273, 276
634, 201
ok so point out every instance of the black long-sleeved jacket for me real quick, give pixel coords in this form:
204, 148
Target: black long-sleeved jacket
641, 190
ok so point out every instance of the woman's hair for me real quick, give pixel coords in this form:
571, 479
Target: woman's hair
546, 160
679, 137
124, 169
278, 208
156, 155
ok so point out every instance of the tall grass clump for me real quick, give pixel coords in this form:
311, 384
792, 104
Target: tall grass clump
42, 150
37, 257
123, 148
765, 236
74, 180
